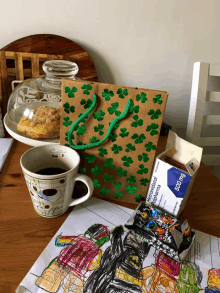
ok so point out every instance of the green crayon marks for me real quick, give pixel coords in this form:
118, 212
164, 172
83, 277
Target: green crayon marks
144, 181
121, 172
99, 115
131, 179
157, 99
96, 170
138, 198
131, 189
108, 164
134, 109
82, 169
86, 103
118, 185
137, 122
96, 183
122, 93
107, 94
143, 157
68, 108
116, 148
124, 132
113, 137
99, 129
108, 178
81, 130
142, 97
104, 191
150, 146
113, 109
90, 158
127, 161
118, 194
102, 152
70, 92
152, 128
154, 114
138, 138
87, 88
94, 139
130, 148
142, 170
67, 122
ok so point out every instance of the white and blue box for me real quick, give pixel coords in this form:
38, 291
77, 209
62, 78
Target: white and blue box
174, 173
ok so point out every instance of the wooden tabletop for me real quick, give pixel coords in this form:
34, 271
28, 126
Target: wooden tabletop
25, 234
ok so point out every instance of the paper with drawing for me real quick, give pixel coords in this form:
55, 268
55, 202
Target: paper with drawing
93, 252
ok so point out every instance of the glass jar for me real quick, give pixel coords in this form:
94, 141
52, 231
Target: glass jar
34, 106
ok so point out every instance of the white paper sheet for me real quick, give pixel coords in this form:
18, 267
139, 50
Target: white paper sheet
203, 256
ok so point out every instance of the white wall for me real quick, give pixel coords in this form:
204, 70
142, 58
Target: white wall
144, 43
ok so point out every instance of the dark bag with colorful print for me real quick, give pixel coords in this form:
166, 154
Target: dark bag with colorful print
115, 130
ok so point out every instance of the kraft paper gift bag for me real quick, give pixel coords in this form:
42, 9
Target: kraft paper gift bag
115, 129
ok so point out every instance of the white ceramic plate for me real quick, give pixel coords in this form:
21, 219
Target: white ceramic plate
12, 130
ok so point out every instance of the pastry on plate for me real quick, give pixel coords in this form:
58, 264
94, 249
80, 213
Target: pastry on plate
43, 123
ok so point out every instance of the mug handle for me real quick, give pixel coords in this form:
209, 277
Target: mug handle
89, 183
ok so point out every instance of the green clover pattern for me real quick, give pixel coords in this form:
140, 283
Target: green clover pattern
108, 164
67, 122
68, 108
107, 94
144, 181
108, 178
102, 152
118, 185
121, 172
142, 97
99, 129
96, 170
137, 122
99, 115
138, 197
127, 161
113, 109
154, 114
87, 88
94, 139
131, 179
138, 138
113, 137
134, 109
131, 189
124, 132
157, 99
122, 93
152, 128
90, 158
104, 191
143, 157
130, 148
150, 146
70, 92
81, 130
86, 103
96, 183
142, 170
118, 194
116, 149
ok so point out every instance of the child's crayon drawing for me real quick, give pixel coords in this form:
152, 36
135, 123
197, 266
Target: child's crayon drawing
94, 253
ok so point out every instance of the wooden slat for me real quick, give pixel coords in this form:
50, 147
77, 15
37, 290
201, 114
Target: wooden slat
211, 119
211, 160
35, 65
4, 77
19, 66
209, 141
27, 56
213, 96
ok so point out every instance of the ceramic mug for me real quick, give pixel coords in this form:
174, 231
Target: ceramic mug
52, 194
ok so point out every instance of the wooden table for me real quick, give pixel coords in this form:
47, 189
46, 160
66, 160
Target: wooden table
25, 234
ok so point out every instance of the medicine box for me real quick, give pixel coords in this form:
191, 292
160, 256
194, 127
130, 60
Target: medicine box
174, 173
